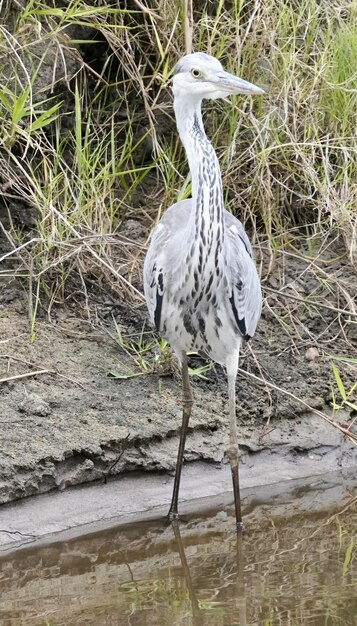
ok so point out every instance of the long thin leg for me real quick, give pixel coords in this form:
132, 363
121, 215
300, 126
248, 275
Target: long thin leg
187, 402
233, 450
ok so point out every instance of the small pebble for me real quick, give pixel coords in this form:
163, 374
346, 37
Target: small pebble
32, 404
312, 354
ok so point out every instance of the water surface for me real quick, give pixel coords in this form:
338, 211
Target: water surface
295, 566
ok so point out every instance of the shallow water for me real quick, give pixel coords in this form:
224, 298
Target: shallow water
291, 568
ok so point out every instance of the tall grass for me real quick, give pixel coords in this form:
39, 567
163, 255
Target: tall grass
86, 143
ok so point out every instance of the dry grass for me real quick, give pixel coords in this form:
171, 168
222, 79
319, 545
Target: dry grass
87, 138
110, 144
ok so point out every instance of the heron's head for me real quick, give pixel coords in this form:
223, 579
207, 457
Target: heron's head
201, 76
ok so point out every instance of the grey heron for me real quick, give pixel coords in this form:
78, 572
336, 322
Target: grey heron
201, 284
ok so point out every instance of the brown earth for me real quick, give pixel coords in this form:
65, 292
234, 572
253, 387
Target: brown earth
72, 422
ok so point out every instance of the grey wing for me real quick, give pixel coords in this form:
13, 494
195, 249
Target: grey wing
160, 259
245, 296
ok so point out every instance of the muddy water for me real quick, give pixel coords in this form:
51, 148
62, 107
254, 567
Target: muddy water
292, 568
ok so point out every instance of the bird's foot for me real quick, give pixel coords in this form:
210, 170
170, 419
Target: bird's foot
240, 527
173, 516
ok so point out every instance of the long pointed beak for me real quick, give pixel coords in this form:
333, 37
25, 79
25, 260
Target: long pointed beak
234, 85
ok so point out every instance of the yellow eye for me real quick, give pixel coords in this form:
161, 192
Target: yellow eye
196, 73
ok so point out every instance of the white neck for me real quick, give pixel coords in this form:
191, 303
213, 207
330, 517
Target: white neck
207, 195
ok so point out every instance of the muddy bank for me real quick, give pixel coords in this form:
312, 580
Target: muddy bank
306, 484
72, 423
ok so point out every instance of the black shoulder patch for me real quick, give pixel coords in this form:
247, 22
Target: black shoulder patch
240, 322
159, 298
157, 314
245, 245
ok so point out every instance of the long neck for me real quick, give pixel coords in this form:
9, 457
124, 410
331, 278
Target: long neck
207, 193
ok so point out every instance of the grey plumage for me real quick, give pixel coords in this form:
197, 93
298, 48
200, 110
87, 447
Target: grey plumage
229, 300
201, 284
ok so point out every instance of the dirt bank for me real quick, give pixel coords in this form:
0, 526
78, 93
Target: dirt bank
72, 423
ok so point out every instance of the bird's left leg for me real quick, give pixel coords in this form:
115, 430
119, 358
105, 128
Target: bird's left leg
187, 402
233, 450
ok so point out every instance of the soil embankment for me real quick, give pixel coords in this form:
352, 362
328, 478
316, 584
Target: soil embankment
72, 423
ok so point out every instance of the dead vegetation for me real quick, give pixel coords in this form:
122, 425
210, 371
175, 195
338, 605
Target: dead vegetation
88, 146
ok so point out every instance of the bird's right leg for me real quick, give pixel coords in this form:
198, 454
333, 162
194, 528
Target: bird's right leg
187, 402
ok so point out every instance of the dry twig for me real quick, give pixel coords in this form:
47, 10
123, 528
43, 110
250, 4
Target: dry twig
325, 417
